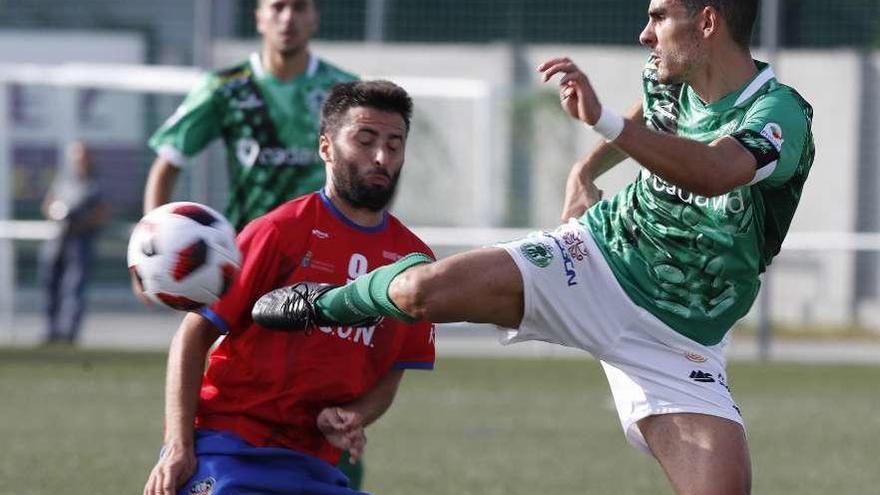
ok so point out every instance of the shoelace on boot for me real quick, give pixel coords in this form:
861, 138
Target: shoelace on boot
287, 307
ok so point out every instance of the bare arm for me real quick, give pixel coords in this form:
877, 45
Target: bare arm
580, 190
160, 183
343, 426
186, 364
373, 404
705, 169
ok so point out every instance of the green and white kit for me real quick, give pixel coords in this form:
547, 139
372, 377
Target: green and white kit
650, 281
269, 127
572, 298
693, 261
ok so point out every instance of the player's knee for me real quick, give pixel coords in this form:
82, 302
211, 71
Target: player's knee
412, 291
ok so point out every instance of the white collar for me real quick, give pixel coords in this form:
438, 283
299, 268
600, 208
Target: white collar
259, 72
756, 84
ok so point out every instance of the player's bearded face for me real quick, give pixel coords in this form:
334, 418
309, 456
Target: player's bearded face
363, 185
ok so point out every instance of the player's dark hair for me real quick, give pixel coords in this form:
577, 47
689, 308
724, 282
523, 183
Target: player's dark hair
739, 15
380, 95
260, 2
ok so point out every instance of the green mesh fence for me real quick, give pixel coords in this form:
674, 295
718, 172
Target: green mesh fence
823, 23
805, 23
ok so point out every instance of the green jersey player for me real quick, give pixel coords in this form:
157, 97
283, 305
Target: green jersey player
265, 109
650, 281
691, 259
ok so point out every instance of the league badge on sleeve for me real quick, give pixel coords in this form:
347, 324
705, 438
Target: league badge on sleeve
773, 132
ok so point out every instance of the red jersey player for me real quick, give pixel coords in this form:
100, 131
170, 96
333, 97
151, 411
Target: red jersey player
274, 410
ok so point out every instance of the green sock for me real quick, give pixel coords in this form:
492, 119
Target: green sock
367, 295
355, 472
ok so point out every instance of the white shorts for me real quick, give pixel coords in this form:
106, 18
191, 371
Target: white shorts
572, 298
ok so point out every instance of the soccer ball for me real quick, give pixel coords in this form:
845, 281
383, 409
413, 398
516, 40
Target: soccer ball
184, 255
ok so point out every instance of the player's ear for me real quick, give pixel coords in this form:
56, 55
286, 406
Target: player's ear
709, 21
325, 148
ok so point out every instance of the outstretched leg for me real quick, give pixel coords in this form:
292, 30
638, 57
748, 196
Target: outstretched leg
482, 286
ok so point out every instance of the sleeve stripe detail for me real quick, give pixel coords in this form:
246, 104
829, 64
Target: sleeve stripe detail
418, 365
173, 155
216, 319
764, 172
759, 146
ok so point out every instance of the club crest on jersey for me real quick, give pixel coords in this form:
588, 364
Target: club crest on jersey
539, 253
308, 261
203, 487
773, 132
247, 150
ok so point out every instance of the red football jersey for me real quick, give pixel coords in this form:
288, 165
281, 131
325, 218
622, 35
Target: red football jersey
269, 386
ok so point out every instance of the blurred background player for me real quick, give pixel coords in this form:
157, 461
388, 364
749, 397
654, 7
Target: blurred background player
651, 281
265, 109
276, 409
75, 203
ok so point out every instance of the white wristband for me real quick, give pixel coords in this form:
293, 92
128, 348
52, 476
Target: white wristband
609, 125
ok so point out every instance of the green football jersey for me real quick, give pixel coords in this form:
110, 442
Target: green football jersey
693, 261
269, 127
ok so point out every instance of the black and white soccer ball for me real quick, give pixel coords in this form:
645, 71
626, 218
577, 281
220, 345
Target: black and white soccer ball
184, 255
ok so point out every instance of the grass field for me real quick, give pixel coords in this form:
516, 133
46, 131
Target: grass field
77, 423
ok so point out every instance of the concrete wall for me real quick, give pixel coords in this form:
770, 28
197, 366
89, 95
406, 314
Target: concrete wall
831, 82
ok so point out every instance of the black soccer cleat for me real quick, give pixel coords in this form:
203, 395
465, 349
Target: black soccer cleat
293, 308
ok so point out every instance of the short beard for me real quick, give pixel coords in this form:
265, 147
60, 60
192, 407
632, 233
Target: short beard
687, 61
356, 192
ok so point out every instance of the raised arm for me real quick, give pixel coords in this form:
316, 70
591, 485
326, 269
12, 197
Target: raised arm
705, 169
580, 189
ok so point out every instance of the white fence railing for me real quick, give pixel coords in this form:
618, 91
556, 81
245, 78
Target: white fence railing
446, 240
